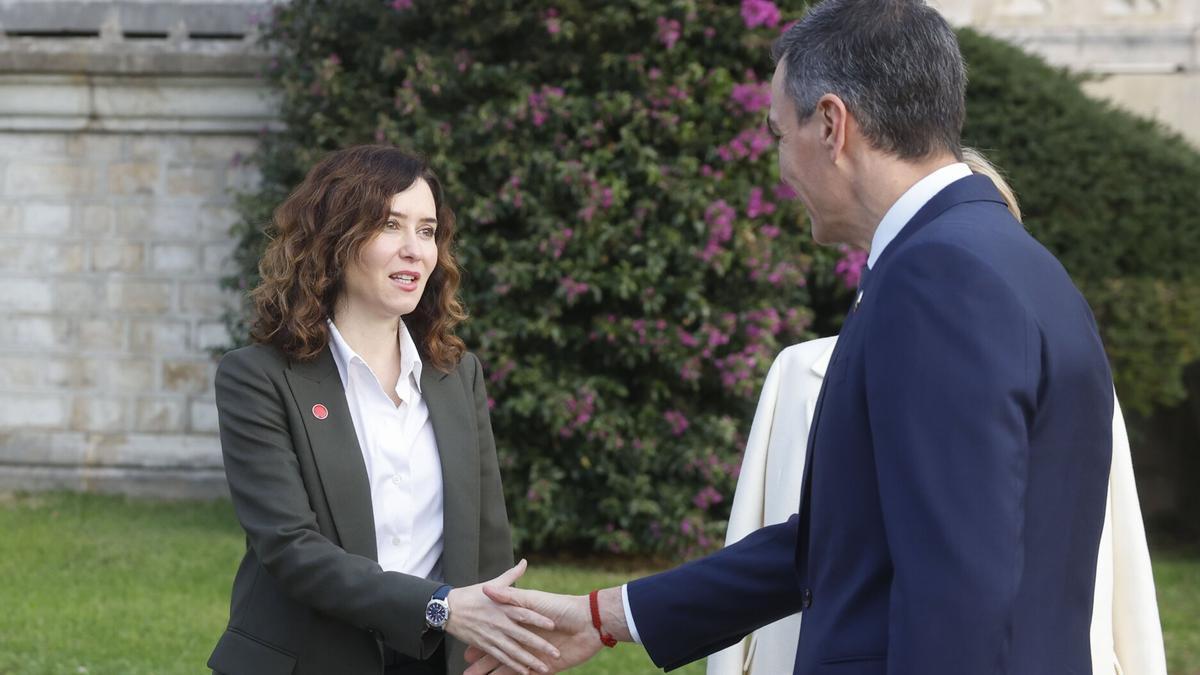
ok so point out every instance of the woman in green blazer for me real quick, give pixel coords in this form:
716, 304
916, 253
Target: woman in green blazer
357, 443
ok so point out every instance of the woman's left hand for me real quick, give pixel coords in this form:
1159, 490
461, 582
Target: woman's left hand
499, 630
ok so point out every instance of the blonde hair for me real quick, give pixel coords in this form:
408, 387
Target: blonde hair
976, 161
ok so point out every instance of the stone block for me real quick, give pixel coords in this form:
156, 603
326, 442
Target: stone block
215, 221
163, 450
42, 256
118, 256
51, 179
95, 219
96, 146
42, 332
118, 376
159, 336
187, 377
160, 414
29, 295
139, 297
25, 145
11, 218
67, 258
43, 447
155, 146
175, 258
204, 298
133, 178
26, 410
162, 221
20, 255
242, 178
47, 220
69, 373
20, 371
190, 181
79, 295
222, 149
99, 413
218, 258
101, 334
211, 335
203, 416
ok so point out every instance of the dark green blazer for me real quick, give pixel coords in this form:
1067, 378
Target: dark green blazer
309, 596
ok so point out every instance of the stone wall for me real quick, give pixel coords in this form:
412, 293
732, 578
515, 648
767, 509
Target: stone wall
118, 164
1144, 54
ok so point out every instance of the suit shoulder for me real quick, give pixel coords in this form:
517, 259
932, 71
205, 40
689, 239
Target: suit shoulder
254, 356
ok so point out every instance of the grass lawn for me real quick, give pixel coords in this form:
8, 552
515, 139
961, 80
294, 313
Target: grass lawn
93, 584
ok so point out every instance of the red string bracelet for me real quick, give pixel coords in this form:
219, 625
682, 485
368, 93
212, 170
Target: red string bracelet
608, 640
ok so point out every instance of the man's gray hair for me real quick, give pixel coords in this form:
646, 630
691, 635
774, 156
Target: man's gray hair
895, 64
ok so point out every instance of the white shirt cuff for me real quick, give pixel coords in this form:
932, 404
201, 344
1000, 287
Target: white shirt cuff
629, 614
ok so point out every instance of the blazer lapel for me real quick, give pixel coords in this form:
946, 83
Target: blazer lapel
453, 419
336, 451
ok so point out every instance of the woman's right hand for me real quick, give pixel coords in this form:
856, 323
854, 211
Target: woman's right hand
500, 630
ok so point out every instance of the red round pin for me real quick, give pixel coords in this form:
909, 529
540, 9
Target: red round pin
320, 411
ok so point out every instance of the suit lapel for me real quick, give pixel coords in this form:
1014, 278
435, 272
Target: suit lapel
336, 451
452, 415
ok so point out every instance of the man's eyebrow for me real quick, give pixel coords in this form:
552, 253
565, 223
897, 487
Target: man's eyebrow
400, 214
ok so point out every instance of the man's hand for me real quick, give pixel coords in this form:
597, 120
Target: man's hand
496, 629
574, 635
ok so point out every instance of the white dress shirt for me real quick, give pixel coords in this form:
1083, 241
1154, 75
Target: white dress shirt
893, 222
400, 451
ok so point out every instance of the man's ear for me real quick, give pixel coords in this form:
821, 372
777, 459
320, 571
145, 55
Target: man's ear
834, 118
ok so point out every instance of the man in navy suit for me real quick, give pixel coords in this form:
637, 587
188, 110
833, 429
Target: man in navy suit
957, 466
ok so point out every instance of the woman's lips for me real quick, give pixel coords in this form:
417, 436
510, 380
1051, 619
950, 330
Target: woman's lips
405, 281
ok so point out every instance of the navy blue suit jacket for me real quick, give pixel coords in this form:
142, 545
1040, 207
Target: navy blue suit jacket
955, 484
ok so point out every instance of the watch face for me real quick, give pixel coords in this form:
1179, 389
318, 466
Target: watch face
436, 614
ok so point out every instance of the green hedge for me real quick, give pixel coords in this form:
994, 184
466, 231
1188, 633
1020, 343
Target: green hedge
632, 264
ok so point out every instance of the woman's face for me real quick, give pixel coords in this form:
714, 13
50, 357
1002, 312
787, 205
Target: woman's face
390, 272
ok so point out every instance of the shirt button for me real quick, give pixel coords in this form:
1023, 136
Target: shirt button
395, 541
806, 599
396, 479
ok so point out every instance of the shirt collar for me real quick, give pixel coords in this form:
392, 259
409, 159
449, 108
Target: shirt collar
909, 203
344, 354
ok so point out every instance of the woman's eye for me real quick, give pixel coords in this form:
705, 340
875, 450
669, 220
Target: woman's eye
427, 231
391, 225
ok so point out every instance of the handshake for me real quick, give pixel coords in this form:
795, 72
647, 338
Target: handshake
512, 630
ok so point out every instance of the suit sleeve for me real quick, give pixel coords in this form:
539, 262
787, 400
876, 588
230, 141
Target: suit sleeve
272, 505
952, 363
495, 537
709, 604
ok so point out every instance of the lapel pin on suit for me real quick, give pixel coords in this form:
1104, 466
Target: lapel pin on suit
319, 411
862, 284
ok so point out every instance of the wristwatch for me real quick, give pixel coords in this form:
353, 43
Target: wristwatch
437, 612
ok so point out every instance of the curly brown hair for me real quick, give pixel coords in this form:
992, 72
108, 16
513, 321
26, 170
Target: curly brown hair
322, 227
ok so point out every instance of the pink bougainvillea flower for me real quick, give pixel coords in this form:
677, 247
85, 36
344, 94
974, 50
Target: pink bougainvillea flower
669, 31
752, 96
760, 13
849, 268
